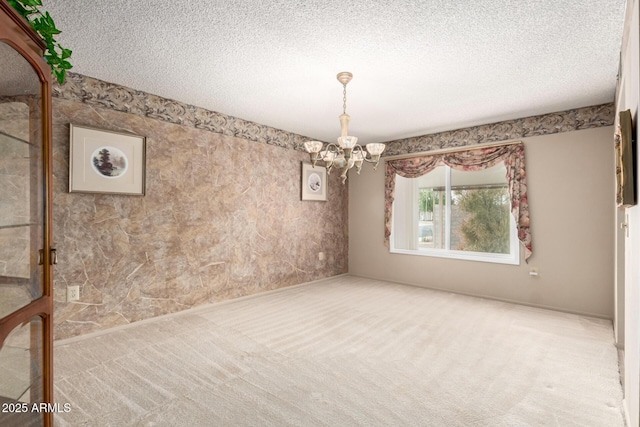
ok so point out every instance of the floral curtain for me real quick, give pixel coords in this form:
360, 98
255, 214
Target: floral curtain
469, 160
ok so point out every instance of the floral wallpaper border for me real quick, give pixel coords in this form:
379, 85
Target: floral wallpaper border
546, 124
99, 93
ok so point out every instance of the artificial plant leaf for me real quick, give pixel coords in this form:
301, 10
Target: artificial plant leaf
59, 75
44, 25
52, 59
19, 8
52, 25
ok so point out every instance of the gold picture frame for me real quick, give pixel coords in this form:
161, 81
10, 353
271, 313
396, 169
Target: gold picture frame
625, 159
106, 162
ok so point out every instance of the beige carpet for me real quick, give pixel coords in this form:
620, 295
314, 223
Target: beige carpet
346, 352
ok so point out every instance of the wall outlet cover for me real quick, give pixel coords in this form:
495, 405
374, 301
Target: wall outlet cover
73, 293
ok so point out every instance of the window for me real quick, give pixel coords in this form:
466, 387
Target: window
455, 214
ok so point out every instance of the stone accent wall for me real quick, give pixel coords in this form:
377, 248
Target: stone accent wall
221, 218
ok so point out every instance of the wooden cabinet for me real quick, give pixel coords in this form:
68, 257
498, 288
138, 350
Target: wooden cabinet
26, 256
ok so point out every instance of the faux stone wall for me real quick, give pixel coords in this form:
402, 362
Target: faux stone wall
221, 218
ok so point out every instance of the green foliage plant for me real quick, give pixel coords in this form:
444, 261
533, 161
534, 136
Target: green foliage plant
56, 56
426, 200
422, 201
487, 227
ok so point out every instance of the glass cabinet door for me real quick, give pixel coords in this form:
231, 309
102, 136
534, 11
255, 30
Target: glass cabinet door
21, 185
23, 321
21, 372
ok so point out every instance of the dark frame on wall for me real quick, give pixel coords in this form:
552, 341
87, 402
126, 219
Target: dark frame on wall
625, 161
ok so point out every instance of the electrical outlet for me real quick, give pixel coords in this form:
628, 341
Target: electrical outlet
321, 256
73, 293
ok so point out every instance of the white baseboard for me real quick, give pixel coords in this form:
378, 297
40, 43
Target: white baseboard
626, 413
191, 310
489, 297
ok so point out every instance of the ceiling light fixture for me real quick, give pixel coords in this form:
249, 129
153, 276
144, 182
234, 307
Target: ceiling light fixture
347, 153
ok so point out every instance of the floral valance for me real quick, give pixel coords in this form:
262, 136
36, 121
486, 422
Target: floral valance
468, 160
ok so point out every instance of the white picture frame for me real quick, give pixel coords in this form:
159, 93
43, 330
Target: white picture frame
313, 182
106, 162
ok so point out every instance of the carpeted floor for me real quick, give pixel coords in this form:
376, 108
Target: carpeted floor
346, 351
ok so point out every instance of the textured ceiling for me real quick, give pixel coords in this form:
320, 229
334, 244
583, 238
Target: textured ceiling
419, 66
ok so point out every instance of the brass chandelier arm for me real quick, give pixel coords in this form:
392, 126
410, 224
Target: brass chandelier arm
371, 159
333, 149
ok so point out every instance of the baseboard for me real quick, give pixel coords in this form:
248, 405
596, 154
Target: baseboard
191, 310
526, 304
207, 306
626, 413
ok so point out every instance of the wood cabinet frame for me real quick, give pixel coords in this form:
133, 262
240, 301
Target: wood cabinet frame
17, 33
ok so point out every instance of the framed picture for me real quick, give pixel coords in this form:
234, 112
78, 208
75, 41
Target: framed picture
106, 162
625, 159
314, 182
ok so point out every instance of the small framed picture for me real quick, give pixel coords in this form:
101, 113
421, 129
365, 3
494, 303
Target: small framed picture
314, 182
106, 162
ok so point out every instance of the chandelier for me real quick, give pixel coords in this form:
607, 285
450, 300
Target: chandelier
347, 153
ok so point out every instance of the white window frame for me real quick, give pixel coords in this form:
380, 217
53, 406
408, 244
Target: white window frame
512, 258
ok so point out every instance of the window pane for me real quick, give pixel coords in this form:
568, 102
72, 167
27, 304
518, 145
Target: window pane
480, 211
405, 217
455, 214
432, 217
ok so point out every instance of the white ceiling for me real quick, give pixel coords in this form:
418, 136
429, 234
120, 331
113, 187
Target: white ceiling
419, 66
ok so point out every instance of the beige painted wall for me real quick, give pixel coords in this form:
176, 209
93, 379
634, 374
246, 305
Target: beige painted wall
570, 179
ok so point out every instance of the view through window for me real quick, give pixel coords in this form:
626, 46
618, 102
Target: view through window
459, 214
